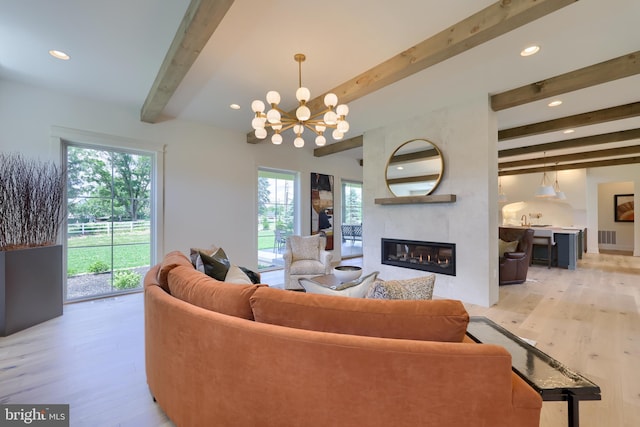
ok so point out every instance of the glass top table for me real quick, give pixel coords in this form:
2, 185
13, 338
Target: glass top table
553, 380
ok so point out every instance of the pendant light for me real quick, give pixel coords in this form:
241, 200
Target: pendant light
501, 196
545, 190
556, 187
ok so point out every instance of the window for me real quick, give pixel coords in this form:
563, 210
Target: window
277, 215
351, 219
109, 211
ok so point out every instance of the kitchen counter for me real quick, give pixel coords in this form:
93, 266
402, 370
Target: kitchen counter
567, 240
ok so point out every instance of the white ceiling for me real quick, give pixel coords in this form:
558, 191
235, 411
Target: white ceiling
117, 47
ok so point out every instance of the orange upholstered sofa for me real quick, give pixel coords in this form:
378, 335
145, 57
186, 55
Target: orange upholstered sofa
223, 354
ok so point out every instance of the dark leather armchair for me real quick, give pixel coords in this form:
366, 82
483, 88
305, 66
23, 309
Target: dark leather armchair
514, 265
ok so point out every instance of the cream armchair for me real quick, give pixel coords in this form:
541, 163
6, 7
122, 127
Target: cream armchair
305, 257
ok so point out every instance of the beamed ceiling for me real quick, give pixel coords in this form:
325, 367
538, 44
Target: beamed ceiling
388, 61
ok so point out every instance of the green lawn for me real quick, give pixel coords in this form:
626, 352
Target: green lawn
265, 239
131, 249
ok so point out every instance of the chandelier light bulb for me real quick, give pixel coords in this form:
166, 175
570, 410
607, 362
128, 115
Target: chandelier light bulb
298, 129
258, 122
330, 118
343, 126
336, 134
330, 100
273, 97
298, 142
276, 126
320, 140
273, 116
303, 94
342, 110
303, 113
320, 128
276, 139
261, 133
257, 106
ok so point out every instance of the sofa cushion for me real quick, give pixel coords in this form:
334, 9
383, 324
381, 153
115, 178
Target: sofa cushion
305, 247
407, 289
170, 261
439, 320
215, 265
307, 266
203, 291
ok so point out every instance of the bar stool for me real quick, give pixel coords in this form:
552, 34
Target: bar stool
544, 238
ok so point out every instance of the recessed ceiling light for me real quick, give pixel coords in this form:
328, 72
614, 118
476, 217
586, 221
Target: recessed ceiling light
568, 131
234, 106
530, 50
399, 168
59, 54
555, 103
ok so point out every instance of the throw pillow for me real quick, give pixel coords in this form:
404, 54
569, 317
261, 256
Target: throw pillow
355, 289
195, 252
305, 247
215, 265
255, 277
407, 289
236, 275
506, 247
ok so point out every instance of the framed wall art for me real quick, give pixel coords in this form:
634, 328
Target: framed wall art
623, 205
322, 206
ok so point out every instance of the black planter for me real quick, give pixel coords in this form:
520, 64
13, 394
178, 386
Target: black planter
30, 287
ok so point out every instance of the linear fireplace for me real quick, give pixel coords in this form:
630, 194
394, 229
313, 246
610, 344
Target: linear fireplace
427, 256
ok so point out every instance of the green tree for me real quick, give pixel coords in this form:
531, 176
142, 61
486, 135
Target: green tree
131, 183
95, 177
263, 195
89, 184
354, 206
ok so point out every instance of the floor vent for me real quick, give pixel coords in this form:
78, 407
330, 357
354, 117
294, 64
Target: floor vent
607, 237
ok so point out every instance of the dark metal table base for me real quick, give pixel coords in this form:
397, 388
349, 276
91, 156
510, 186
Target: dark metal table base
550, 378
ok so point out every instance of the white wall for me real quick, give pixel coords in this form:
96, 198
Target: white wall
606, 217
466, 134
210, 175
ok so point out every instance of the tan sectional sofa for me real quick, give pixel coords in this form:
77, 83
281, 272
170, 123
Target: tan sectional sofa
221, 354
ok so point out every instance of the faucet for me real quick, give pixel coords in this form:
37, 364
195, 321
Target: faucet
523, 221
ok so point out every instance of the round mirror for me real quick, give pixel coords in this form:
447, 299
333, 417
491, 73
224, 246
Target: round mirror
415, 168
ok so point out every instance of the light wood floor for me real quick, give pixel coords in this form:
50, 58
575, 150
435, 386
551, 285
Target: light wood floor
93, 356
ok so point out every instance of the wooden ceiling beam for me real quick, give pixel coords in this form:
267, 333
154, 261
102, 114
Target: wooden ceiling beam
617, 68
579, 165
487, 24
623, 135
584, 119
198, 24
587, 155
337, 147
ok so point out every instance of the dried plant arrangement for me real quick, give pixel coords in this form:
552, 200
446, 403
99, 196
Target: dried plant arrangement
31, 202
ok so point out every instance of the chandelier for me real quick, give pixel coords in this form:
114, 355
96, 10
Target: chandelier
317, 122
